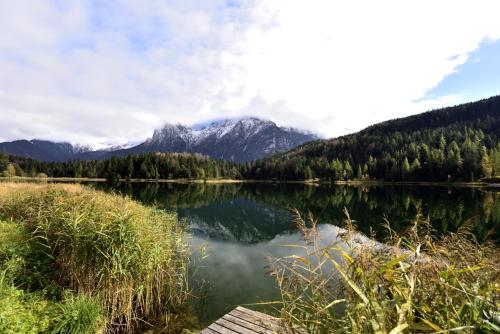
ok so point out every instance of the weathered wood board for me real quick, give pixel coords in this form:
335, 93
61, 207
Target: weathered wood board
244, 321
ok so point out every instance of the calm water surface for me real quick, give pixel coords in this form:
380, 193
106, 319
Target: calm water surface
239, 225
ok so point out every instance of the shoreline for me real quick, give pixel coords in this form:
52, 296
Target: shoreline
314, 182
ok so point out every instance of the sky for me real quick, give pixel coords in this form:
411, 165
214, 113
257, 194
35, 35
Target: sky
109, 72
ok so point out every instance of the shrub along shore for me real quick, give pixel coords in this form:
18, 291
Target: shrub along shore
76, 260
413, 283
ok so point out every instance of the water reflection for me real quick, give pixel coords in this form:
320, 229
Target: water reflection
235, 272
252, 212
239, 220
241, 224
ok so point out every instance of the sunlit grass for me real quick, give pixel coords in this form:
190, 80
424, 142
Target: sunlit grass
80, 314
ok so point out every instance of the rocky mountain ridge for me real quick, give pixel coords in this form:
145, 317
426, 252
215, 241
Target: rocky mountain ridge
239, 140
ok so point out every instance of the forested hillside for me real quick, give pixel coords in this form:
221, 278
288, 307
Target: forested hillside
450, 144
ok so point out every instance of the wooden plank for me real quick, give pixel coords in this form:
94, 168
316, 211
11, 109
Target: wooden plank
252, 318
257, 314
208, 331
268, 321
220, 329
245, 321
273, 325
256, 328
234, 327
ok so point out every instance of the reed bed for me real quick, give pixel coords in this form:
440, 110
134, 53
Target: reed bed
413, 283
130, 258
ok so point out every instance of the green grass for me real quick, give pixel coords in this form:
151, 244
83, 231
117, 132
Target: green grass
37, 311
80, 314
125, 265
21, 312
412, 284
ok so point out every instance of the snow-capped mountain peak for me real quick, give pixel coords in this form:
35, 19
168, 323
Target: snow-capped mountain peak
240, 140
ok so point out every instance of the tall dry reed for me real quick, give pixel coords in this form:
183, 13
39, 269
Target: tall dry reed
132, 258
412, 283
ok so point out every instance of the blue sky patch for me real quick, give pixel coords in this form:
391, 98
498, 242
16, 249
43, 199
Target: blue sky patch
477, 78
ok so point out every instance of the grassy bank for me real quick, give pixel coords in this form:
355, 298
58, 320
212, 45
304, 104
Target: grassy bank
75, 260
411, 284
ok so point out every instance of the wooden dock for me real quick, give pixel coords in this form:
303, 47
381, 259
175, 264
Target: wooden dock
244, 321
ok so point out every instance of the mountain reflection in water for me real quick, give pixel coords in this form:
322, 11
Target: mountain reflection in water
253, 212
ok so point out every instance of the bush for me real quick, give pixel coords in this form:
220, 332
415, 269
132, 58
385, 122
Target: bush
131, 258
22, 312
411, 283
81, 314
10, 171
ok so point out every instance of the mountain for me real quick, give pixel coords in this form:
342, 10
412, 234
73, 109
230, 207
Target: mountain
240, 140
42, 150
449, 144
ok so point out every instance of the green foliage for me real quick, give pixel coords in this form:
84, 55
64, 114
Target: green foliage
142, 166
4, 161
9, 171
81, 314
100, 246
411, 283
13, 250
485, 164
24, 261
22, 312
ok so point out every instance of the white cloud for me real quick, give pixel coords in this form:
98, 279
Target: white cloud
111, 73
347, 64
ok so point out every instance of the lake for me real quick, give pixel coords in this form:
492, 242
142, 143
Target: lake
235, 227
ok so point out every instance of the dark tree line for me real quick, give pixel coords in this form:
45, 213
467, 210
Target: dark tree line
142, 166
